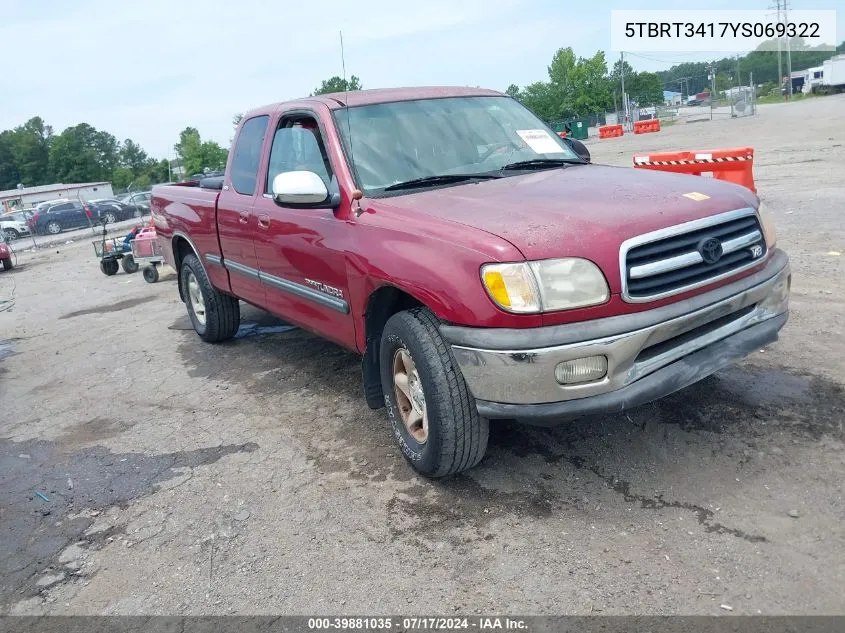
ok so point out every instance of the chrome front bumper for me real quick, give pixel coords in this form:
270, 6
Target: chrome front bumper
508, 368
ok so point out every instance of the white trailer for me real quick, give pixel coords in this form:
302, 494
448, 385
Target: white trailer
834, 72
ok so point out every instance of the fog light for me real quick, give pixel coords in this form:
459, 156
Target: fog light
579, 370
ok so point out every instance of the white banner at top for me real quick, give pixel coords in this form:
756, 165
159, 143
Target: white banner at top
689, 31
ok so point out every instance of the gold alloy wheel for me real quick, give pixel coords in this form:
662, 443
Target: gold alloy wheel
410, 398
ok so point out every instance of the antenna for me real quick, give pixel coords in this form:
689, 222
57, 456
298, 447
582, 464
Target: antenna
357, 194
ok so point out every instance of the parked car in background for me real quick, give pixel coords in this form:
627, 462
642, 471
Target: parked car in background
60, 216
139, 201
14, 225
111, 210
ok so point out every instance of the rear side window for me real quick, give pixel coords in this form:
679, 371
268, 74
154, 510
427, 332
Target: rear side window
248, 154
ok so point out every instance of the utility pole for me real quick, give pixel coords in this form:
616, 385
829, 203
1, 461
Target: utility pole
624, 99
788, 49
780, 67
712, 88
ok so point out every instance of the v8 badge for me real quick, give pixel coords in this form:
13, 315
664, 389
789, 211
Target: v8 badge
756, 251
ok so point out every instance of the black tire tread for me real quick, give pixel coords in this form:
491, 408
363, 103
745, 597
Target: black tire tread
464, 440
222, 311
7, 264
129, 264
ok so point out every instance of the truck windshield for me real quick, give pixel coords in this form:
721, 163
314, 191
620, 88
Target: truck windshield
406, 141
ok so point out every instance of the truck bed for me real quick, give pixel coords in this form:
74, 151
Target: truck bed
188, 211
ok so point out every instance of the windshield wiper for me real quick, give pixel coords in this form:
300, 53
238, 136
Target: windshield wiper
443, 179
543, 163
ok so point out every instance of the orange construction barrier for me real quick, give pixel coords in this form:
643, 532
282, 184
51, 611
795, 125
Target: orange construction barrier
733, 165
651, 125
610, 131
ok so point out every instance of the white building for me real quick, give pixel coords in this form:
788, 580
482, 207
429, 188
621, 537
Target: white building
30, 196
672, 99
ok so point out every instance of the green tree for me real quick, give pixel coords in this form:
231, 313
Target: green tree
132, 156
646, 89
338, 84
122, 177
513, 91
25, 154
83, 154
10, 175
197, 155
590, 92
236, 120
541, 100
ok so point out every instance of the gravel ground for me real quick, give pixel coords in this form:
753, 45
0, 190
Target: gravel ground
144, 472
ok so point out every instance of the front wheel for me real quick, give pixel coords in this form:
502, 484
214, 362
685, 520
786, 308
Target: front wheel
109, 218
7, 263
214, 315
11, 234
431, 410
129, 264
150, 274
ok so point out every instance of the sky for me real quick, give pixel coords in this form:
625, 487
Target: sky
147, 70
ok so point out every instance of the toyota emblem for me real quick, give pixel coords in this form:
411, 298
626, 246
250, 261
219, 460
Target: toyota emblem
710, 250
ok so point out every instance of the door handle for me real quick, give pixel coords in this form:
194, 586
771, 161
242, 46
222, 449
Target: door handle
264, 221
243, 217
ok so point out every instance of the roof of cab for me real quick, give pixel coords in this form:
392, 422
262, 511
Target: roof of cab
336, 100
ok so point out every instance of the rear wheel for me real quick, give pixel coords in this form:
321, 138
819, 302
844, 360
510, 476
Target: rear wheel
7, 263
109, 267
431, 410
151, 274
11, 234
54, 228
129, 264
214, 315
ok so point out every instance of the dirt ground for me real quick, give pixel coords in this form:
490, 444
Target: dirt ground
144, 472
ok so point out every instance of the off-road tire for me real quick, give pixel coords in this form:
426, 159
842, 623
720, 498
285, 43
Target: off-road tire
222, 311
457, 435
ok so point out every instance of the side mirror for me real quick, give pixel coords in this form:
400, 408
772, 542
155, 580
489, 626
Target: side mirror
578, 147
299, 188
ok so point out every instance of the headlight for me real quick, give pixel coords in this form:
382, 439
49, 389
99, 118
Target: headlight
769, 231
546, 285
511, 286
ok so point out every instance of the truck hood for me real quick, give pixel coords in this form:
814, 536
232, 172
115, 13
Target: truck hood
580, 211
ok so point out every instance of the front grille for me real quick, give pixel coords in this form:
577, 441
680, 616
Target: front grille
673, 260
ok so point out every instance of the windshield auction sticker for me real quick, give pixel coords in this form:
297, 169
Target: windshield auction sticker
721, 31
540, 141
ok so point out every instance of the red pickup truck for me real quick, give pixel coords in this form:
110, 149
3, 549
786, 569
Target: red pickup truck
482, 266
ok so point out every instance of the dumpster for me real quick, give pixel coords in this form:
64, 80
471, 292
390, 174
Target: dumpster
576, 128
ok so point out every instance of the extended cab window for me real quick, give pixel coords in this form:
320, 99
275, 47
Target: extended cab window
297, 146
248, 155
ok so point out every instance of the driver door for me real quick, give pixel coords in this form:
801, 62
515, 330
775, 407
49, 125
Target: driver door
301, 251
